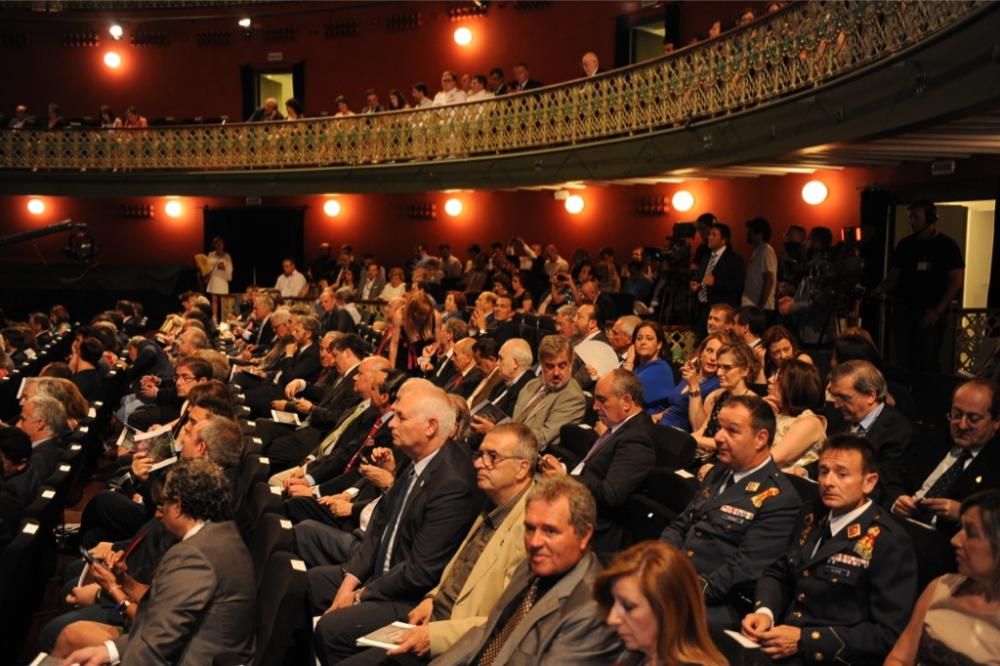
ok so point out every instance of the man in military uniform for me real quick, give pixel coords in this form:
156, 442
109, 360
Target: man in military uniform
845, 589
741, 519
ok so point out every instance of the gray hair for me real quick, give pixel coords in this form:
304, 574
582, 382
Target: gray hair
458, 328
223, 440
345, 294
526, 445
520, 351
264, 300
49, 410
435, 404
628, 324
567, 310
555, 345
625, 383
279, 317
197, 337
865, 378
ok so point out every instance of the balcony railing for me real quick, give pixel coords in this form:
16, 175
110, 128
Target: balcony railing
806, 45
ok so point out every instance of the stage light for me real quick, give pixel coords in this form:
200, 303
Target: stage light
683, 201
36, 206
574, 204
453, 207
331, 207
112, 60
814, 192
463, 36
173, 208
245, 22
116, 31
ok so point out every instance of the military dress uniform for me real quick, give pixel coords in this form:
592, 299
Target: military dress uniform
732, 537
852, 596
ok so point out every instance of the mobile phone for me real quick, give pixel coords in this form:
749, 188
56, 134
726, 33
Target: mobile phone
87, 555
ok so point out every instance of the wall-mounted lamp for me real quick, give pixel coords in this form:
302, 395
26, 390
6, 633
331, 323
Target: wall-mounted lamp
463, 36
173, 208
574, 204
331, 207
814, 192
36, 206
453, 207
112, 60
683, 201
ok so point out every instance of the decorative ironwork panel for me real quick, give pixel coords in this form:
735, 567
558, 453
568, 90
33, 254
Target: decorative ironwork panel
806, 45
975, 330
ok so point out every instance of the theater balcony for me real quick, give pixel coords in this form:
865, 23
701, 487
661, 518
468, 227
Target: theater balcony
785, 92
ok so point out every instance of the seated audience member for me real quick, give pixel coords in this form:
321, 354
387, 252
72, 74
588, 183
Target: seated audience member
514, 362
332, 316
450, 92
21, 119
291, 283
483, 565
846, 585
738, 523
620, 337
372, 284
300, 361
20, 483
646, 360
396, 287
372, 104
294, 110
39, 324
420, 95
589, 64
485, 351
546, 614
794, 391
43, 420
780, 345
65, 392
652, 597
454, 306
467, 373
435, 361
591, 292
859, 391
936, 485
413, 534
619, 461
587, 329
343, 106
133, 118
736, 365
721, 319
701, 377
477, 89
859, 347
201, 604
522, 79
168, 397
957, 618
749, 325
266, 113
549, 402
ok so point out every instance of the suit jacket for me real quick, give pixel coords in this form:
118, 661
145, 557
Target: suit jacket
983, 473
729, 275
263, 337
443, 371
890, 436
303, 365
369, 291
201, 603
852, 598
733, 537
464, 386
552, 412
614, 472
563, 627
530, 84
339, 400
505, 397
338, 319
489, 577
328, 471
437, 514
45, 457
503, 331
18, 491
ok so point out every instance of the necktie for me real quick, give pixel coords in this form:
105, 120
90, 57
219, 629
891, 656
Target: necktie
331, 440
368, 443
726, 480
601, 441
824, 536
492, 649
382, 562
944, 483
858, 430
532, 404
703, 290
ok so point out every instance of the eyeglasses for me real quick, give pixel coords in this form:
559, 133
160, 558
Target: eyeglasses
185, 378
491, 458
727, 367
956, 415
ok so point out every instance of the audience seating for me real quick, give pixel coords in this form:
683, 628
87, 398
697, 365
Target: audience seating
273, 533
21, 586
283, 635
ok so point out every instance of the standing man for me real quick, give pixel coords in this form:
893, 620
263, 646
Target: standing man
547, 614
762, 274
844, 590
719, 278
739, 522
925, 275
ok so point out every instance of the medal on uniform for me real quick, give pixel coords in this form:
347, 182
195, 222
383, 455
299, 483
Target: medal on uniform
854, 531
753, 486
866, 544
759, 499
808, 526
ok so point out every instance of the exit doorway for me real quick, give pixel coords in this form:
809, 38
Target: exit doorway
280, 82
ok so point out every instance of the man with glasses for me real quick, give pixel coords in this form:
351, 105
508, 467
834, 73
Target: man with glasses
167, 399
481, 568
450, 92
859, 393
972, 461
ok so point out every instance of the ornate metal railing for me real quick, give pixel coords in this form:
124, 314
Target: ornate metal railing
977, 339
804, 46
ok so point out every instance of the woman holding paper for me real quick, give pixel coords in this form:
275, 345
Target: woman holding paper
701, 377
651, 595
643, 358
222, 273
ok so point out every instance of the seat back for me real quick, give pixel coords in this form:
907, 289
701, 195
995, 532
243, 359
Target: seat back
22, 584
935, 554
282, 631
273, 532
674, 448
807, 489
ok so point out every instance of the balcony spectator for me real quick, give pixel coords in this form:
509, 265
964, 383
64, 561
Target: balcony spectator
497, 84
397, 102
108, 119
396, 287
133, 119
522, 79
464, 82
294, 109
746, 17
373, 282
372, 104
420, 95
21, 119
56, 120
590, 64
291, 283
477, 89
450, 92
343, 107
266, 113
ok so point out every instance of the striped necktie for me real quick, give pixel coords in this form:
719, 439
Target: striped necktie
703, 291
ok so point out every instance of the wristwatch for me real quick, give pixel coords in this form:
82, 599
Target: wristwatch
122, 607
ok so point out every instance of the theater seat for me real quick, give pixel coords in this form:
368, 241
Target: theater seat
674, 448
273, 533
935, 553
283, 634
22, 583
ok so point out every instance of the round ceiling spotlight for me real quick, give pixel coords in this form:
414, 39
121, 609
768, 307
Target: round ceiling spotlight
245, 22
116, 31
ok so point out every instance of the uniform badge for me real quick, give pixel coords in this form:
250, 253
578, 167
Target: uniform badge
866, 544
753, 486
759, 499
806, 529
854, 531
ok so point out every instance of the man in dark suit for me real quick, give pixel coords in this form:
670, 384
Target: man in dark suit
936, 485
504, 326
497, 84
844, 590
547, 614
20, 485
739, 522
373, 283
859, 391
720, 275
436, 361
414, 532
302, 362
43, 419
467, 373
605, 310
619, 461
522, 79
334, 317
202, 599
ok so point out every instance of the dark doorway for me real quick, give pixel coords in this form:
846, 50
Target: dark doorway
259, 83
257, 239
